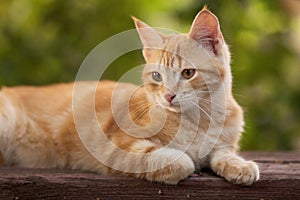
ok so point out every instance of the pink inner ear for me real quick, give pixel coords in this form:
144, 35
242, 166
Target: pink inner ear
206, 30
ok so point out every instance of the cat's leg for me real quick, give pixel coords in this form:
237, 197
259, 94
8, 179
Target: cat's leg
159, 164
234, 168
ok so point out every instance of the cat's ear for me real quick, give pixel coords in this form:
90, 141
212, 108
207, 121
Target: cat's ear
150, 38
206, 30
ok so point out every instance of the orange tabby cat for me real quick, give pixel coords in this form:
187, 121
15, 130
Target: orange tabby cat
182, 119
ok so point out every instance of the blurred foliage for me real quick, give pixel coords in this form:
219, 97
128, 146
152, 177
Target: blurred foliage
43, 42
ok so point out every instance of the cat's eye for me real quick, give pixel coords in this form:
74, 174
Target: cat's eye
188, 73
156, 76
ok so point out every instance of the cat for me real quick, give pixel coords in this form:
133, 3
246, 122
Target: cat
182, 119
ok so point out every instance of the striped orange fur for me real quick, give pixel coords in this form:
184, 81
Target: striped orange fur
182, 119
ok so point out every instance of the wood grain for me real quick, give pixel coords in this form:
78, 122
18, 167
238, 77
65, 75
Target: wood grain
280, 179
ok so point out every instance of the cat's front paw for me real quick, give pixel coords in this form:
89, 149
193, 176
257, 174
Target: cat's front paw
179, 167
238, 171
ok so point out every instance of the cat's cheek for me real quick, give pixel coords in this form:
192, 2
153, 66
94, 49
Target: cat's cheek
196, 83
152, 87
153, 91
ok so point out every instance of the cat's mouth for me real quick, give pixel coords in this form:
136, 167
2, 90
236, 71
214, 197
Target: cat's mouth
171, 106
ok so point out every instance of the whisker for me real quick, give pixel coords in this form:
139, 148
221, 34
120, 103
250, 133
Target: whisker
208, 102
197, 98
136, 107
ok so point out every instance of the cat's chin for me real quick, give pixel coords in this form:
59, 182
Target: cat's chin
173, 109
170, 107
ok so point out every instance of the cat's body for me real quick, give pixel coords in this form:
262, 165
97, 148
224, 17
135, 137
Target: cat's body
182, 119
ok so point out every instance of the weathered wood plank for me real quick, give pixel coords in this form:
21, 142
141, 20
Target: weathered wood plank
280, 178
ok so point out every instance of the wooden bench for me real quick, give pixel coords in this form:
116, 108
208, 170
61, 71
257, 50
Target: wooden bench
280, 179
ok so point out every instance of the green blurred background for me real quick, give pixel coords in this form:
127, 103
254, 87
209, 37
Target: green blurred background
45, 41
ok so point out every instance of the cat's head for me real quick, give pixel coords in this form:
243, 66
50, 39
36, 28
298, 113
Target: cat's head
182, 69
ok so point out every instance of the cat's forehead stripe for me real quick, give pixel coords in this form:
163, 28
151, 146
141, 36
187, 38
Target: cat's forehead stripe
170, 59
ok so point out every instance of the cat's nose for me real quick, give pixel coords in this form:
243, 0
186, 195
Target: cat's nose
169, 97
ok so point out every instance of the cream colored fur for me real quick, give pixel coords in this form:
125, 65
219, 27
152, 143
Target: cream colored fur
119, 128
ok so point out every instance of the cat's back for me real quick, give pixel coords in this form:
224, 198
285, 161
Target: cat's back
53, 99
51, 106
38, 98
